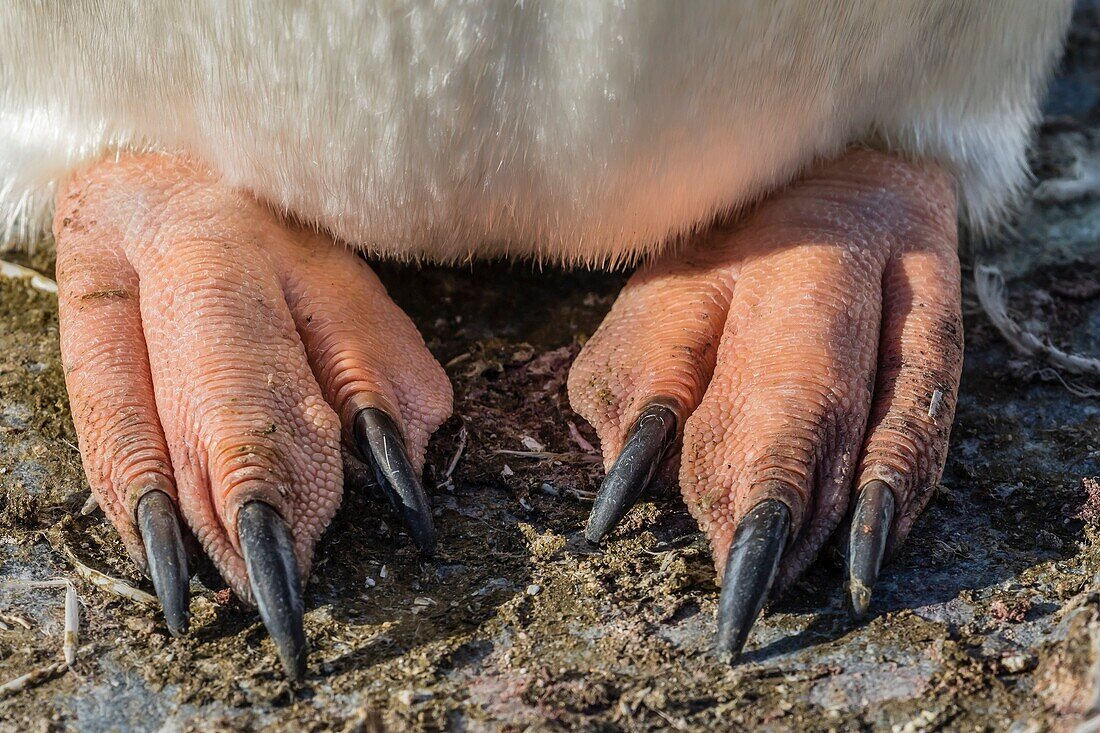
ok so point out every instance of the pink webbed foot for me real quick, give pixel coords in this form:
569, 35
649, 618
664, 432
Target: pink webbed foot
214, 355
801, 364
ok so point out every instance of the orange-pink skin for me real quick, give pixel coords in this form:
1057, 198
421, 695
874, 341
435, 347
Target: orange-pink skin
804, 348
216, 352
213, 351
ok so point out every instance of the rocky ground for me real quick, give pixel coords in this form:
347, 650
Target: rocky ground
988, 619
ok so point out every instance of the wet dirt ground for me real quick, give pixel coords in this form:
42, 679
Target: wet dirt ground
987, 620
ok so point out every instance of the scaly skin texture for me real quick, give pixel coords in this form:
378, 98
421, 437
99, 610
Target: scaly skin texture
215, 352
815, 346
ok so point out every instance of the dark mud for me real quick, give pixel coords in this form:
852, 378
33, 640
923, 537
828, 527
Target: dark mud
985, 621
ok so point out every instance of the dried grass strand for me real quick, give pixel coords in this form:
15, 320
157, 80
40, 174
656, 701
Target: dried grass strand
990, 285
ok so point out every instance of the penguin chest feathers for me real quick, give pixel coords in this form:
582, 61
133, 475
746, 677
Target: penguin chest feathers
594, 132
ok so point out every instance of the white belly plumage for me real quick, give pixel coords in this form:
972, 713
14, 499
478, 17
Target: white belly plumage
578, 132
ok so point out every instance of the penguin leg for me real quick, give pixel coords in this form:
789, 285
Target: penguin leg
214, 355
806, 362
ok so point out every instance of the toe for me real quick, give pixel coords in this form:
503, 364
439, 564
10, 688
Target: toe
645, 370
374, 368
918, 376
784, 413
920, 364
656, 346
122, 443
364, 350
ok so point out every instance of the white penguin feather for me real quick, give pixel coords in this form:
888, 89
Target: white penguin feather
582, 132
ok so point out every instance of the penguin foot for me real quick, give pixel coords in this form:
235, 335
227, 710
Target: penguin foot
214, 356
797, 367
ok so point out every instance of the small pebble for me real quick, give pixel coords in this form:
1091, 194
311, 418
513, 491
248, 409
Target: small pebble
409, 696
140, 624
533, 589
1016, 663
531, 444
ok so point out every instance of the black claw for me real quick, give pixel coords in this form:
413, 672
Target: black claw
871, 521
164, 551
381, 445
268, 551
649, 440
752, 563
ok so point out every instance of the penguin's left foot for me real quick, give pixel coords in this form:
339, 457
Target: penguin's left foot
214, 355
798, 367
